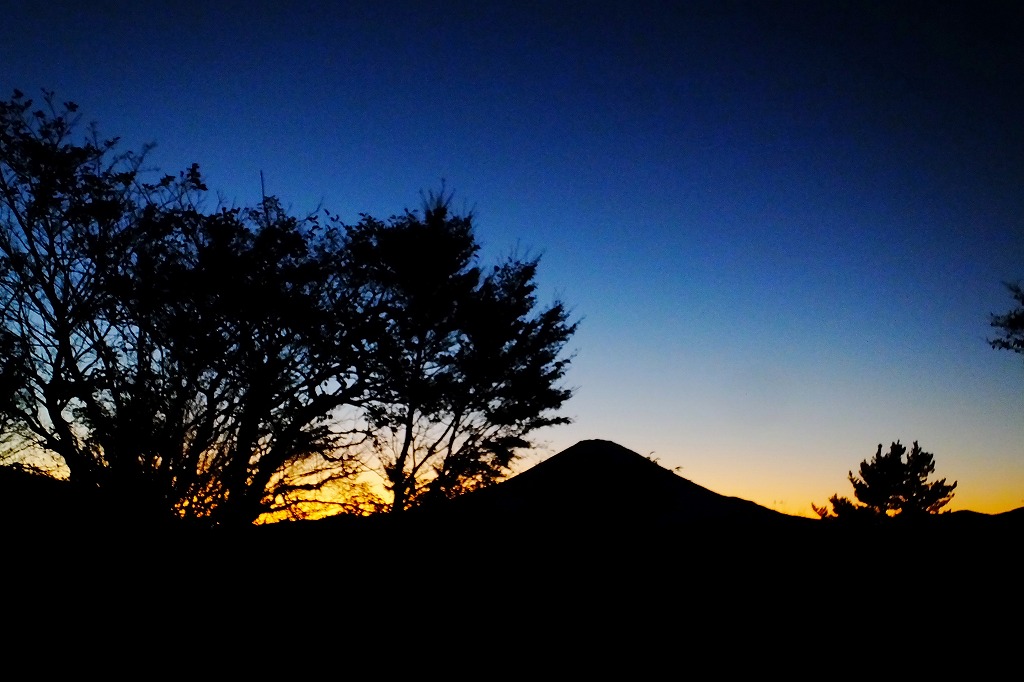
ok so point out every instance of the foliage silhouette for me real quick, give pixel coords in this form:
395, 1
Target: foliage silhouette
1010, 324
185, 364
252, 314
469, 364
68, 215
889, 485
219, 366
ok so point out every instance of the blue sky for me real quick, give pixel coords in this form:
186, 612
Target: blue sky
782, 225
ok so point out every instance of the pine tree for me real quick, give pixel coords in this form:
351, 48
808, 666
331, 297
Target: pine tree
889, 485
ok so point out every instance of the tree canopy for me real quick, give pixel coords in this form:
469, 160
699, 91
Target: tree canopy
891, 485
221, 365
470, 365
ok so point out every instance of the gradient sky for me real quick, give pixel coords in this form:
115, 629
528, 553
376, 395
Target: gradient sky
782, 225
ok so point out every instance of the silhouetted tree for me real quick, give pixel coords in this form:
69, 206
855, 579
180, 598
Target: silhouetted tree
889, 485
266, 344
469, 364
1011, 324
66, 214
184, 364
220, 366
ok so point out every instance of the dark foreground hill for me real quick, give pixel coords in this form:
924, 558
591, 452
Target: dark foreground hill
595, 488
598, 487
597, 537
598, 504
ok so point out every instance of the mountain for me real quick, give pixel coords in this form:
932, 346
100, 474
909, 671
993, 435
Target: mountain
598, 482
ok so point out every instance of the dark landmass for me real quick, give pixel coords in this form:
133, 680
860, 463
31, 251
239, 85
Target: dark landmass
596, 536
594, 487
594, 496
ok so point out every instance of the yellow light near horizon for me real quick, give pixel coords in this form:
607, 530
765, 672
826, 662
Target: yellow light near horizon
364, 495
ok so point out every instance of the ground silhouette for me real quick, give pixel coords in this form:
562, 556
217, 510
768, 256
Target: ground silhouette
596, 537
599, 504
593, 487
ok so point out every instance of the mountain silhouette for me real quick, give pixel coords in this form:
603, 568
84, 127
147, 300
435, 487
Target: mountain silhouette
594, 485
601, 482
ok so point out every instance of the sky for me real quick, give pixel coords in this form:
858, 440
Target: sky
782, 226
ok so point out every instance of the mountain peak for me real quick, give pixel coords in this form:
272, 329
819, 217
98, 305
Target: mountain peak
602, 481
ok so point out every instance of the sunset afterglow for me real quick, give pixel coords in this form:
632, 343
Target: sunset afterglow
783, 228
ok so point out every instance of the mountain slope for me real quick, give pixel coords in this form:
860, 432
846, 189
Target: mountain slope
597, 481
